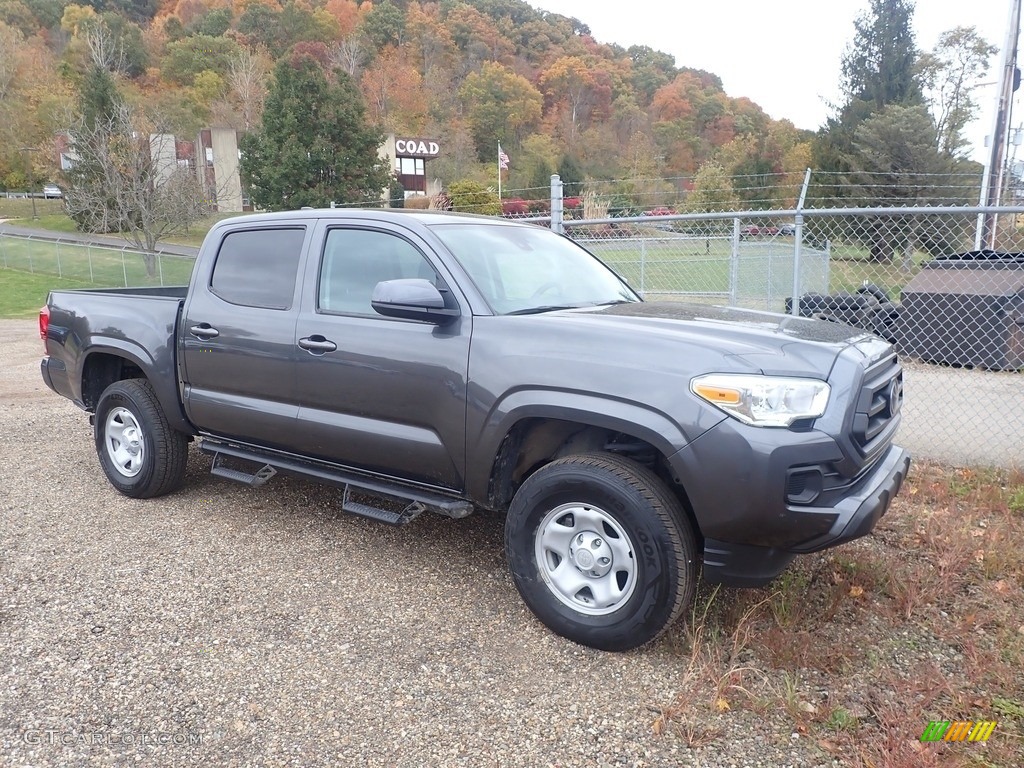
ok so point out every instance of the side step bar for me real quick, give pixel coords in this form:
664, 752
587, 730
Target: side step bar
417, 500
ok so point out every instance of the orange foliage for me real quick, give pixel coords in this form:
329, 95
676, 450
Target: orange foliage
346, 13
394, 93
188, 11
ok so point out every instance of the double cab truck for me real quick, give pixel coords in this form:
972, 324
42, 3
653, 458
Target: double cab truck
433, 362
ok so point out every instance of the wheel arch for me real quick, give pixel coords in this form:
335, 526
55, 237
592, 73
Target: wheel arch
102, 365
537, 436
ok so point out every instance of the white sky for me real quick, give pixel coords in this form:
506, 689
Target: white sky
783, 54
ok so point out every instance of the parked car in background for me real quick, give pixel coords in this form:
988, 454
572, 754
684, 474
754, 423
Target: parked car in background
758, 230
52, 192
787, 229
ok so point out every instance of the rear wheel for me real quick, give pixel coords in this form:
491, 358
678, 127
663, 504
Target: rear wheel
141, 455
601, 551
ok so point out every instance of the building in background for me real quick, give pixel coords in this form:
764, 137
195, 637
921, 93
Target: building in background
409, 157
217, 166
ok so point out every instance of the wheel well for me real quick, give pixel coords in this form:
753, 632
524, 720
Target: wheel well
103, 369
532, 443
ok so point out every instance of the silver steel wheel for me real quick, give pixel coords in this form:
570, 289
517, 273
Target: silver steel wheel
123, 438
586, 559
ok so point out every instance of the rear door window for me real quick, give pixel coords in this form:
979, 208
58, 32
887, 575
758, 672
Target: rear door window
257, 268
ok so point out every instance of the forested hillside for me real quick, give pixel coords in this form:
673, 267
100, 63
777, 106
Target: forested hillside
470, 73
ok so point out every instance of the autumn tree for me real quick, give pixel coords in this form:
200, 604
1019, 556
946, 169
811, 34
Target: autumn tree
10, 44
949, 71
394, 95
313, 145
501, 106
578, 91
712, 190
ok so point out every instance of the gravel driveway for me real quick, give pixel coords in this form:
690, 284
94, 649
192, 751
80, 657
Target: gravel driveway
224, 626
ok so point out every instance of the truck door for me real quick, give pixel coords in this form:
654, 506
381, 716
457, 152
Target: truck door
379, 393
238, 336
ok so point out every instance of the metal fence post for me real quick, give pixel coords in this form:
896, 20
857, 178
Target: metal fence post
88, 255
643, 263
160, 266
3, 247
124, 268
31, 268
798, 242
556, 204
60, 272
734, 265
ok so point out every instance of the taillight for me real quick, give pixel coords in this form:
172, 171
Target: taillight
44, 322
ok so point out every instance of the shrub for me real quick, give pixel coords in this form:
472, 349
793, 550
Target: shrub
514, 206
472, 197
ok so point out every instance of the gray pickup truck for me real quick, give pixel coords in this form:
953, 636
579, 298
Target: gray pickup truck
433, 362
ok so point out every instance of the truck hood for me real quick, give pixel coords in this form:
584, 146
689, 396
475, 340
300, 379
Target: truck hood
769, 342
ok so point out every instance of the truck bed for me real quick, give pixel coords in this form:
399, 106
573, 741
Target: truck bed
87, 327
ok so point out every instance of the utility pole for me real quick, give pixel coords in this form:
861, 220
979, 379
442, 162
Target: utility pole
29, 175
995, 172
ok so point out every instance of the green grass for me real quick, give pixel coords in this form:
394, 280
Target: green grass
21, 208
667, 265
102, 267
23, 293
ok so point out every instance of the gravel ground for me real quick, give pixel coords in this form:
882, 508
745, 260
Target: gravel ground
262, 627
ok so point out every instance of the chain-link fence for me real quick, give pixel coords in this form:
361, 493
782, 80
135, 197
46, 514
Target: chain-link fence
100, 265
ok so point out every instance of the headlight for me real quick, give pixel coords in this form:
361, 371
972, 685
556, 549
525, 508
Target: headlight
764, 401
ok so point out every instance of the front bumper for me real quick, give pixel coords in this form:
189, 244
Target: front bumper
754, 520
746, 565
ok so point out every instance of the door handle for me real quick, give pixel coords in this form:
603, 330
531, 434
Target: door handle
204, 331
317, 344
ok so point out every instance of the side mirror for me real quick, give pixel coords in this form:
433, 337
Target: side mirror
411, 299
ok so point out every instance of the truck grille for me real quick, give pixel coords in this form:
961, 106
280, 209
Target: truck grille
879, 405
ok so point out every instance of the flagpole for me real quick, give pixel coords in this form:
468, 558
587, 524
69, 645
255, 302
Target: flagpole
499, 170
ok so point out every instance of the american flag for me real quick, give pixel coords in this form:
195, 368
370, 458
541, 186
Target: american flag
502, 159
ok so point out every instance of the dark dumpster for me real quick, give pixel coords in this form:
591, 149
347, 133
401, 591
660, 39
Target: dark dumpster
965, 310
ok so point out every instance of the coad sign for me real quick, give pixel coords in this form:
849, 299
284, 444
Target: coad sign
417, 147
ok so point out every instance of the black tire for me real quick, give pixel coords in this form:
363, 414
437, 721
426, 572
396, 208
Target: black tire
623, 507
141, 455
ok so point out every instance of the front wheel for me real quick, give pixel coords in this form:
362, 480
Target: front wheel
141, 455
601, 551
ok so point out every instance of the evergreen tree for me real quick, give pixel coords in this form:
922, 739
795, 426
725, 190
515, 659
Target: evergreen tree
879, 69
571, 176
880, 64
314, 145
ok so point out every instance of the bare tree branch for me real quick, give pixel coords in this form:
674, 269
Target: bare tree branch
347, 54
248, 73
126, 179
105, 50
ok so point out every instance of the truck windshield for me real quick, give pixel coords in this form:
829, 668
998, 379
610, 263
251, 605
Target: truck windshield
526, 269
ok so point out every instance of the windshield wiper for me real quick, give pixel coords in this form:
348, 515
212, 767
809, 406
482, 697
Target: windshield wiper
545, 308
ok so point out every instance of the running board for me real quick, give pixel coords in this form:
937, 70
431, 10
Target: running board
417, 500
253, 480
